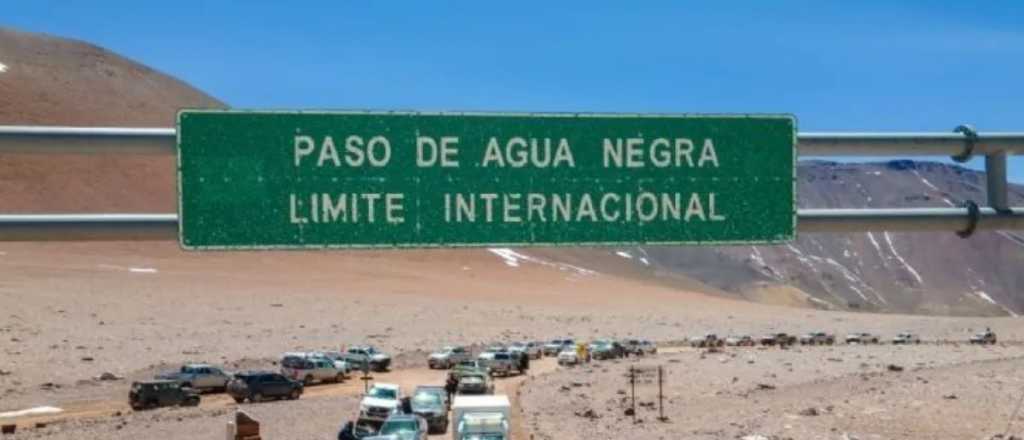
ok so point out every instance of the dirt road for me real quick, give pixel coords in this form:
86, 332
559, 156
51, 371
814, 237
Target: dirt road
111, 409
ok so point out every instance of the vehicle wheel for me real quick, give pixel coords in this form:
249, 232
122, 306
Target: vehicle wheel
339, 378
186, 385
192, 402
307, 381
137, 407
239, 400
256, 398
294, 395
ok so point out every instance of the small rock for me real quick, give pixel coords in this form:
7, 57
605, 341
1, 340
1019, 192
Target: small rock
108, 376
894, 367
277, 305
950, 397
629, 412
765, 386
809, 412
87, 359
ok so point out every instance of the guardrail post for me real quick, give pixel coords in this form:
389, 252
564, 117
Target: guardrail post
995, 170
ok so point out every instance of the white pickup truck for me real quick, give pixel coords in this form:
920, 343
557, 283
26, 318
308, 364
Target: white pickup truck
476, 417
380, 402
311, 369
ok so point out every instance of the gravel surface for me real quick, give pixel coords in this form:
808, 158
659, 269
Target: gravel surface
842, 392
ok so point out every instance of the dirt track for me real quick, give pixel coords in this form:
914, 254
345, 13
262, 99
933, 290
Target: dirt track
112, 411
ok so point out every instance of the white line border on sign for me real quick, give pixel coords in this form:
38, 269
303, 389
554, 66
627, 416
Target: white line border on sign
181, 237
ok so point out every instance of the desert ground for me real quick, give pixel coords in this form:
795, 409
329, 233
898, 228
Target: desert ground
71, 312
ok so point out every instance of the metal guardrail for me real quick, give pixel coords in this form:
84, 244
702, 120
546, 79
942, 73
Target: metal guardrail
960, 145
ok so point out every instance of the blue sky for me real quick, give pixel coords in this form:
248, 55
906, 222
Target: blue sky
869, 65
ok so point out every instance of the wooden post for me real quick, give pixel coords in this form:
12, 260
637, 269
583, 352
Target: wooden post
661, 395
632, 385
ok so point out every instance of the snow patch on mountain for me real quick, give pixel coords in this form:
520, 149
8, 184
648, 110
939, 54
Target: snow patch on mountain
910, 269
514, 259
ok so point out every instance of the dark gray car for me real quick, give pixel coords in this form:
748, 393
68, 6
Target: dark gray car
263, 385
430, 403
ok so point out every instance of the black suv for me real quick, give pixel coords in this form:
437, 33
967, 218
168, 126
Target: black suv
263, 385
158, 393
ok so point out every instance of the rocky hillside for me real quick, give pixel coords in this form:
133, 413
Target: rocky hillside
55, 81
927, 273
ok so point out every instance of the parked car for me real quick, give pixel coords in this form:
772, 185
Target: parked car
568, 357
817, 338
530, 348
200, 377
501, 362
437, 389
740, 341
780, 339
361, 429
984, 338
159, 393
648, 347
367, 357
337, 357
470, 366
475, 383
383, 400
607, 349
631, 346
557, 345
448, 357
906, 338
258, 386
487, 354
862, 338
708, 340
311, 369
431, 403
404, 427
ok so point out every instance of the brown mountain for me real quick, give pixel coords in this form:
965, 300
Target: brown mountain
55, 81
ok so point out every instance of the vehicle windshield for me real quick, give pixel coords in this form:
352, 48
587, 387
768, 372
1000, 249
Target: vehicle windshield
383, 393
398, 427
427, 398
483, 437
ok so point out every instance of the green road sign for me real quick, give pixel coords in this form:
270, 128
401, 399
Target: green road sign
268, 180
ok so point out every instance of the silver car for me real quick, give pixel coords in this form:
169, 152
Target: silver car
530, 348
200, 377
448, 357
